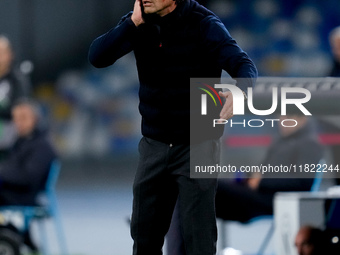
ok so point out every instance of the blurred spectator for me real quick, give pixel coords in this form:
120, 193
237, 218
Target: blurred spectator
309, 241
13, 85
24, 172
334, 40
243, 200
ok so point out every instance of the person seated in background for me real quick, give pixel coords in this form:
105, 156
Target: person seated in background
13, 85
334, 125
242, 201
24, 172
251, 197
309, 241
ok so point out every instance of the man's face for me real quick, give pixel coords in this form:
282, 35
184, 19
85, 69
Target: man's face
160, 7
24, 119
303, 245
5, 56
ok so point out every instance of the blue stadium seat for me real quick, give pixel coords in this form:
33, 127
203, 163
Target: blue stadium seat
49, 209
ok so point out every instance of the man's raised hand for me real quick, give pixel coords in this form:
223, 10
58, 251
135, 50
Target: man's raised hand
137, 17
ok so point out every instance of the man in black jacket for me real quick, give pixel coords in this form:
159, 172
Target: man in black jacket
173, 41
24, 172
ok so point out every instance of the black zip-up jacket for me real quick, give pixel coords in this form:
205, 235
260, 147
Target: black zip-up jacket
24, 173
187, 43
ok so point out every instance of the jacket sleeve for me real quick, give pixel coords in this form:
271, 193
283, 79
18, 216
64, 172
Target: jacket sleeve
109, 47
229, 55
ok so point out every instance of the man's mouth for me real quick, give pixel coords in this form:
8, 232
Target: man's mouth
147, 3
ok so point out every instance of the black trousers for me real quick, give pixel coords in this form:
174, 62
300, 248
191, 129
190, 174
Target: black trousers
162, 177
234, 202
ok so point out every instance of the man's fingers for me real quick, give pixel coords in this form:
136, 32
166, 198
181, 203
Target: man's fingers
226, 114
227, 111
137, 13
137, 7
225, 94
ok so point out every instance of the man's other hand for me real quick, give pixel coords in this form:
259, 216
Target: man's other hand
254, 182
227, 110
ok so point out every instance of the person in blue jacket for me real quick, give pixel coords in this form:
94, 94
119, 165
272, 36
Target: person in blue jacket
173, 41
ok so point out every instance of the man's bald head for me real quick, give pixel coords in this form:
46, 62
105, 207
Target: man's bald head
308, 240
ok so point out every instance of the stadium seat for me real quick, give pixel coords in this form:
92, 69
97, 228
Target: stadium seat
21, 217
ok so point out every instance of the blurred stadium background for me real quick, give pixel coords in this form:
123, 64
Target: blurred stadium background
93, 113
284, 38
